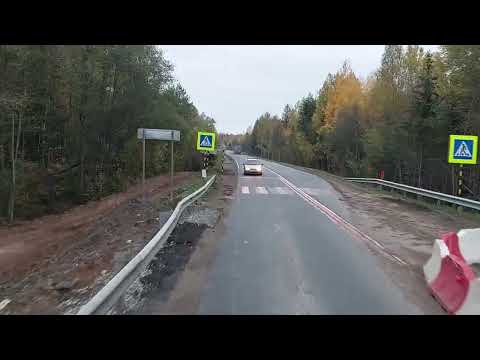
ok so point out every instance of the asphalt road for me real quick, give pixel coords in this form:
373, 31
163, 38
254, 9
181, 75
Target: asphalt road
283, 254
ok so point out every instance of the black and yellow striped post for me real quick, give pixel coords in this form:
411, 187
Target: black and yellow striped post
460, 180
205, 161
460, 183
205, 164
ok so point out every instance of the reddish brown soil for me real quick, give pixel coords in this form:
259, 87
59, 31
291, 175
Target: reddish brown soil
61, 259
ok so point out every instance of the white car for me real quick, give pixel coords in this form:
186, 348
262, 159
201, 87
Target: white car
252, 167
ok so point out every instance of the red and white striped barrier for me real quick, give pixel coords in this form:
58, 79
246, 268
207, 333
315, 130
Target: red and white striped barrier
449, 275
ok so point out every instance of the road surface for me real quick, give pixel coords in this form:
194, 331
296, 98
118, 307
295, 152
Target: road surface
284, 253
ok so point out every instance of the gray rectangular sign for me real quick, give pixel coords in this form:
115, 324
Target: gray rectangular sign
159, 134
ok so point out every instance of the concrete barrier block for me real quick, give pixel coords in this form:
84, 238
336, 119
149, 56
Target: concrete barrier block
433, 266
471, 304
469, 245
451, 286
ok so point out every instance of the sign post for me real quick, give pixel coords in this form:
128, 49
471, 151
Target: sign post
205, 166
462, 150
143, 165
205, 144
171, 168
158, 134
460, 175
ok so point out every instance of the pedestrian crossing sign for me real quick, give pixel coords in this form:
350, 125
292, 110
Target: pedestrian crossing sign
463, 149
206, 141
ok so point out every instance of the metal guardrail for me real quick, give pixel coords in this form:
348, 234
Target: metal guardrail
108, 296
467, 203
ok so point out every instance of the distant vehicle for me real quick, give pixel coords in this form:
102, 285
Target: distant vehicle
237, 149
252, 167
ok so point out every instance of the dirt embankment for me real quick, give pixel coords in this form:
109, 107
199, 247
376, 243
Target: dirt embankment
55, 263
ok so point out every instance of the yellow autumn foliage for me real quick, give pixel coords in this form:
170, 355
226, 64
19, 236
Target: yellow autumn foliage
345, 91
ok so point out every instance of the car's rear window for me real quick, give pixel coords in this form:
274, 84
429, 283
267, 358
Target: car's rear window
253, 162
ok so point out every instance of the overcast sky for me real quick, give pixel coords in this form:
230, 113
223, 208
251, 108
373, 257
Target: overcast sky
236, 84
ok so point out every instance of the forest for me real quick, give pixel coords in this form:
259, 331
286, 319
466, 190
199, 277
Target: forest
68, 123
394, 123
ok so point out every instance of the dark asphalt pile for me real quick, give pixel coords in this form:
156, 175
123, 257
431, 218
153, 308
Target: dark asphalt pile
163, 272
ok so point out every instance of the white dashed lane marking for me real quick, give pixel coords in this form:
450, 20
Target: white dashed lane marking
280, 190
275, 190
261, 190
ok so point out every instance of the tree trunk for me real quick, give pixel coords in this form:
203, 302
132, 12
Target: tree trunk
14, 155
420, 164
11, 202
2, 158
23, 146
82, 171
51, 191
444, 183
44, 128
453, 180
114, 86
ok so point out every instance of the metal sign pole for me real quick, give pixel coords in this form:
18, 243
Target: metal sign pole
171, 169
143, 172
158, 134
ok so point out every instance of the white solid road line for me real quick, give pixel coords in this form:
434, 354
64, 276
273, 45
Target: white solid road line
268, 190
4, 303
236, 163
399, 260
335, 218
261, 190
312, 191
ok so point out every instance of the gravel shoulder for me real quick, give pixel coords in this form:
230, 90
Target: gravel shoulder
55, 264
